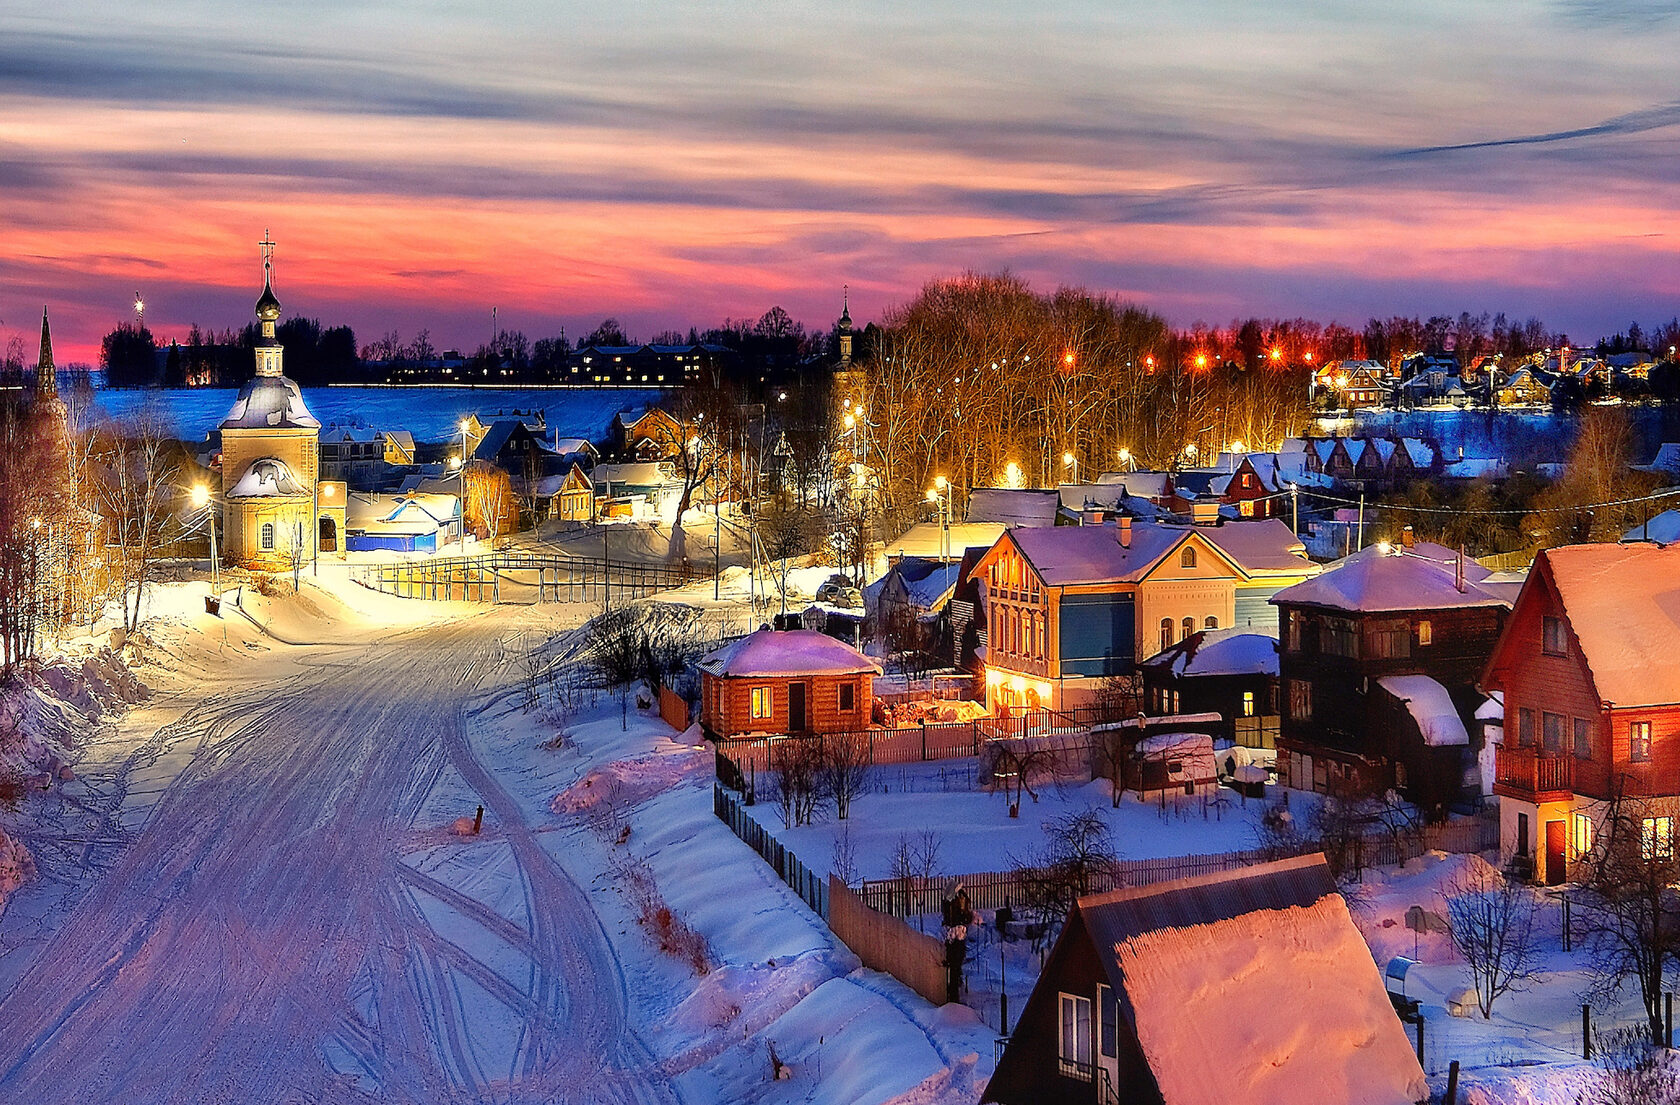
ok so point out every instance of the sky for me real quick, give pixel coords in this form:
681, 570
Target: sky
673, 164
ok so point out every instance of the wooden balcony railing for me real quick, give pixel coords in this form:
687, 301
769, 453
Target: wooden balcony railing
1530, 771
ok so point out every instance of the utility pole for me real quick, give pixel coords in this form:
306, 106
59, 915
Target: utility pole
1362, 519
1295, 505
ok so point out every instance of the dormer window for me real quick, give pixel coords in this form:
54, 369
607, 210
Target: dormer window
1187, 558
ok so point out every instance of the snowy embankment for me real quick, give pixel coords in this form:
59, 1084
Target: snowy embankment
776, 980
47, 710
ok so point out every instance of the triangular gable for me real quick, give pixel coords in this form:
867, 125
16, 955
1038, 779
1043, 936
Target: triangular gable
1170, 556
995, 553
1541, 583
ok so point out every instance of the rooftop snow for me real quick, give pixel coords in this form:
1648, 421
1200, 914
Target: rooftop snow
1214, 990
1664, 528
1220, 652
774, 652
1023, 506
1430, 706
269, 402
1373, 580
1623, 602
267, 477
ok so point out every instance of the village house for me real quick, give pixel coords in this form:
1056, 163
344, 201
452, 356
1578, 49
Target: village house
1380, 656
778, 681
514, 447
1070, 606
1013, 506
1526, 387
570, 498
1170, 994
353, 454
413, 522
399, 451
1587, 667
1229, 672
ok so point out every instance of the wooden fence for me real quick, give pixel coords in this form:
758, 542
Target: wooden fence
810, 886
524, 577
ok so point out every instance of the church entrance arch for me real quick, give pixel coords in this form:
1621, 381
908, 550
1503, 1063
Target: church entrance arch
329, 535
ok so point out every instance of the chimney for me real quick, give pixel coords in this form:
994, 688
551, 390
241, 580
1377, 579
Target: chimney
1408, 538
1125, 531
1093, 516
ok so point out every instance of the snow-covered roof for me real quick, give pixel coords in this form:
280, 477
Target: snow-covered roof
927, 539
1663, 528
1493, 709
1373, 580
637, 474
1145, 485
367, 512
339, 433
567, 445
1355, 447
1667, 460
1013, 506
1205, 965
269, 402
1422, 455
1093, 554
926, 582
1265, 547
267, 477
1219, 652
1623, 602
1431, 708
1476, 468
782, 652
1164, 744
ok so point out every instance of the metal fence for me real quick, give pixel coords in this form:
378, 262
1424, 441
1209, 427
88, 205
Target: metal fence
524, 577
810, 886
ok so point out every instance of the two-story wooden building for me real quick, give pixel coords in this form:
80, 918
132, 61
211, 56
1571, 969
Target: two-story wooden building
1069, 606
1379, 663
786, 681
1229, 672
1589, 664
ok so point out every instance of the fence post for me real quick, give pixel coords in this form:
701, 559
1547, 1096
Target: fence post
1452, 1083
924, 740
1586, 1032
1420, 1037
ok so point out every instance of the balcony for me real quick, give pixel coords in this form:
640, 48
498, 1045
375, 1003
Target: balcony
1533, 775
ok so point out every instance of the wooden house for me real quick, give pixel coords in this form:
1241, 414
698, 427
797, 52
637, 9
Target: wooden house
1229, 672
574, 499
779, 681
1589, 664
1172, 993
1069, 606
1353, 718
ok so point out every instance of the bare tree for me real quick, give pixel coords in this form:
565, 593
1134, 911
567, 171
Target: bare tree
137, 495
1077, 857
1492, 926
843, 773
1013, 764
489, 507
1633, 1071
613, 648
794, 766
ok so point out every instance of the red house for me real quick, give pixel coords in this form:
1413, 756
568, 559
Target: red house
785, 681
1589, 663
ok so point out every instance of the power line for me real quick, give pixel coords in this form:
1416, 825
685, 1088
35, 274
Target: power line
1667, 492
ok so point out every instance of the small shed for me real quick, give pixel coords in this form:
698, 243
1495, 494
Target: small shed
786, 681
1176, 762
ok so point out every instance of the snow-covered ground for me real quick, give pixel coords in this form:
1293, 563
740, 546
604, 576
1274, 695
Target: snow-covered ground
258, 892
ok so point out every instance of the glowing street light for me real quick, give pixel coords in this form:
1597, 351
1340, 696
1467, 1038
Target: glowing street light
1012, 475
850, 420
201, 500
1067, 358
1201, 360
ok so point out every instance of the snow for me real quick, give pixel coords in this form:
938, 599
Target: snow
772, 652
269, 402
267, 477
1663, 528
1265, 547
1221, 652
927, 539
1013, 506
1215, 991
1493, 709
1623, 603
1375, 580
1431, 708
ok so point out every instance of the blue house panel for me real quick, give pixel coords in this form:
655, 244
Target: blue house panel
1097, 634
384, 542
1254, 609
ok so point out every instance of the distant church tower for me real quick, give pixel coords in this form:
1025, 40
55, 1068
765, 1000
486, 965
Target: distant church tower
845, 327
46, 373
271, 459
49, 432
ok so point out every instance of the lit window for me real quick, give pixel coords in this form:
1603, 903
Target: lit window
1074, 1036
1210, 622
1580, 835
1189, 626
760, 703
1248, 704
1426, 633
1656, 838
1639, 741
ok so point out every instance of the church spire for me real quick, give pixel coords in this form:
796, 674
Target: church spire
845, 326
46, 373
268, 313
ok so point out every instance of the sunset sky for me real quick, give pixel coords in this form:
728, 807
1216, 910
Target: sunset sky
421, 162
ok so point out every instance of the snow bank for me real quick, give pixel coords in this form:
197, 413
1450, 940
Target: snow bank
633, 781
1386, 894
1215, 990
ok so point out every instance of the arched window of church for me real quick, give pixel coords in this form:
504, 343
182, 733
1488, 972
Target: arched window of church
268, 535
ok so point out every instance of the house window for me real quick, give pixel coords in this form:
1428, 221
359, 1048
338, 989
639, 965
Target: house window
1108, 1037
1248, 704
1583, 739
1340, 638
1552, 733
1525, 728
1295, 620
1187, 558
1552, 640
1426, 632
1656, 838
1300, 699
1391, 640
268, 535
1639, 741
1074, 1038
1580, 835
848, 697
1166, 633
761, 701
1189, 625
1210, 622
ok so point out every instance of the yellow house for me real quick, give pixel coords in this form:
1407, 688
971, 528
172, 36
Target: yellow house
271, 461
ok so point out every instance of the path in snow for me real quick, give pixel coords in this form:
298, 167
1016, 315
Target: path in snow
263, 940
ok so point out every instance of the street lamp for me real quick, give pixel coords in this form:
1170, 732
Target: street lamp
1126, 459
940, 494
201, 501
1012, 475
140, 310
1071, 461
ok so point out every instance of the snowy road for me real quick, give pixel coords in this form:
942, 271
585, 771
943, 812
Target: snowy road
269, 937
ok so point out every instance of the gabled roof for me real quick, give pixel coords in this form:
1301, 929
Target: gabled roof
1064, 555
1265, 547
1421, 454
1431, 708
1663, 528
1204, 964
1375, 581
406, 514
1023, 506
339, 433
568, 445
785, 652
1623, 602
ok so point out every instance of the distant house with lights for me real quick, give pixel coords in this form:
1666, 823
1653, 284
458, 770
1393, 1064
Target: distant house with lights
785, 681
1069, 606
415, 522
